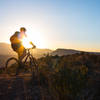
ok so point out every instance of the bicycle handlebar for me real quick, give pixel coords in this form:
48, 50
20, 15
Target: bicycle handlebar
34, 47
31, 48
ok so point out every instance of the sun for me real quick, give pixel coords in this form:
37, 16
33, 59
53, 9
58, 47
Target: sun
26, 42
36, 38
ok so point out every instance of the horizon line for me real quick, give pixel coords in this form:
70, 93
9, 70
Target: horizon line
62, 48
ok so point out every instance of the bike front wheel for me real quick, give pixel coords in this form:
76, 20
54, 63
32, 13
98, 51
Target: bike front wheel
11, 66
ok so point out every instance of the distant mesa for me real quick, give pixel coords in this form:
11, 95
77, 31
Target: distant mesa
61, 52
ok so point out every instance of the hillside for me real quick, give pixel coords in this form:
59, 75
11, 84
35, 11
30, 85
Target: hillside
71, 77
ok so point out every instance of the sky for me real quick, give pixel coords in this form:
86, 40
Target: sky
70, 24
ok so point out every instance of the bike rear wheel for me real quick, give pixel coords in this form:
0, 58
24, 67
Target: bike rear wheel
11, 66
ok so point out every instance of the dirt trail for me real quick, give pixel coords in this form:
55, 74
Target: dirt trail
15, 88
19, 88
12, 88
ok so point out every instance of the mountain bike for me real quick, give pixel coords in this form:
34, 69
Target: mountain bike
29, 64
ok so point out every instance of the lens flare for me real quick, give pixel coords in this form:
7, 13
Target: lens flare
26, 43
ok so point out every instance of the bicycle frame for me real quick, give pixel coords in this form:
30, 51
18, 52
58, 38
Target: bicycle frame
27, 54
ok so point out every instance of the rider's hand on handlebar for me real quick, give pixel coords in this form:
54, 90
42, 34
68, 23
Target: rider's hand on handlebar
32, 45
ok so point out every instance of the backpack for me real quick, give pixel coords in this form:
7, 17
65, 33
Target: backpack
15, 42
14, 38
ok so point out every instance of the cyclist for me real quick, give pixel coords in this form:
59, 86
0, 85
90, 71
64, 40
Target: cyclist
16, 43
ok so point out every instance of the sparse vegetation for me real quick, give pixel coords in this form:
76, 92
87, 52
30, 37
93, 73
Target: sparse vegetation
71, 77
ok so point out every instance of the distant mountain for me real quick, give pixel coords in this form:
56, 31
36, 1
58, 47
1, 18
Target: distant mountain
62, 52
5, 49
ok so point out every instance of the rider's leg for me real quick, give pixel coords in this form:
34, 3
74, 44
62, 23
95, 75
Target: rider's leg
21, 53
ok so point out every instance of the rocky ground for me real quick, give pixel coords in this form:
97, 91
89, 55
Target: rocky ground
13, 88
21, 88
